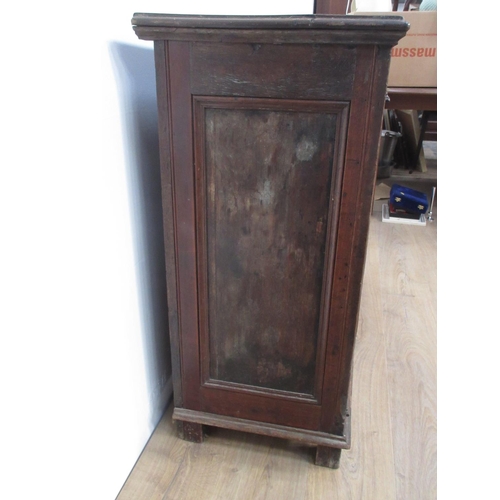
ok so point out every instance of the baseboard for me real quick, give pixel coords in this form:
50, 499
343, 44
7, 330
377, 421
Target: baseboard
314, 438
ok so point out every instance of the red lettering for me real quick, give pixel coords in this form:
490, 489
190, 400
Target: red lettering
413, 52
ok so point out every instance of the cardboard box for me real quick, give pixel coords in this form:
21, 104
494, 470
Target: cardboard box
414, 59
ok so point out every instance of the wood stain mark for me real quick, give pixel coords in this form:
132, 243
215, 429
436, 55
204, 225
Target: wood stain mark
269, 176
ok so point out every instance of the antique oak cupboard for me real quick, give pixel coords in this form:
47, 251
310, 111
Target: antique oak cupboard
269, 129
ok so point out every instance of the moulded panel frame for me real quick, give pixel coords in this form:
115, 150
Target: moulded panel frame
341, 110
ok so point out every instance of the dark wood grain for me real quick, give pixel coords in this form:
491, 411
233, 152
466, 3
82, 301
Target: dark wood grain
264, 206
185, 224
346, 30
301, 435
298, 23
364, 203
166, 168
358, 186
328, 457
422, 98
269, 181
335, 396
365, 36
261, 407
190, 431
268, 165
261, 70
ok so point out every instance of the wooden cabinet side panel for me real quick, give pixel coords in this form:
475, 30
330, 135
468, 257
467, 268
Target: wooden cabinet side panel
261, 408
184, 219
268, 185
281, 300
324, 72
380, 72
359, 174
179, 199
167, 188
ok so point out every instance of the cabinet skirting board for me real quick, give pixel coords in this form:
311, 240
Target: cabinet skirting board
314, 438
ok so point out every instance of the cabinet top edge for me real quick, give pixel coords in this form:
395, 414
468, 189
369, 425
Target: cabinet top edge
298, 22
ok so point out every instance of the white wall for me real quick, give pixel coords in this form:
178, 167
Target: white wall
83, 355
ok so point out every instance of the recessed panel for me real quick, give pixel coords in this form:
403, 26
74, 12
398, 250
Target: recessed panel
268, 175
271, 70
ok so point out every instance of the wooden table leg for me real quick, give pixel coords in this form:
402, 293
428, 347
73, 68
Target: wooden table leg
328, 457
190, 431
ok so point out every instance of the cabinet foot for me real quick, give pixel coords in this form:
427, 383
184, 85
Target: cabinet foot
190, 431
328, 457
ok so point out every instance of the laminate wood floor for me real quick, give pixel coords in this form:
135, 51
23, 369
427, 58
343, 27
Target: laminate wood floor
393, 454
